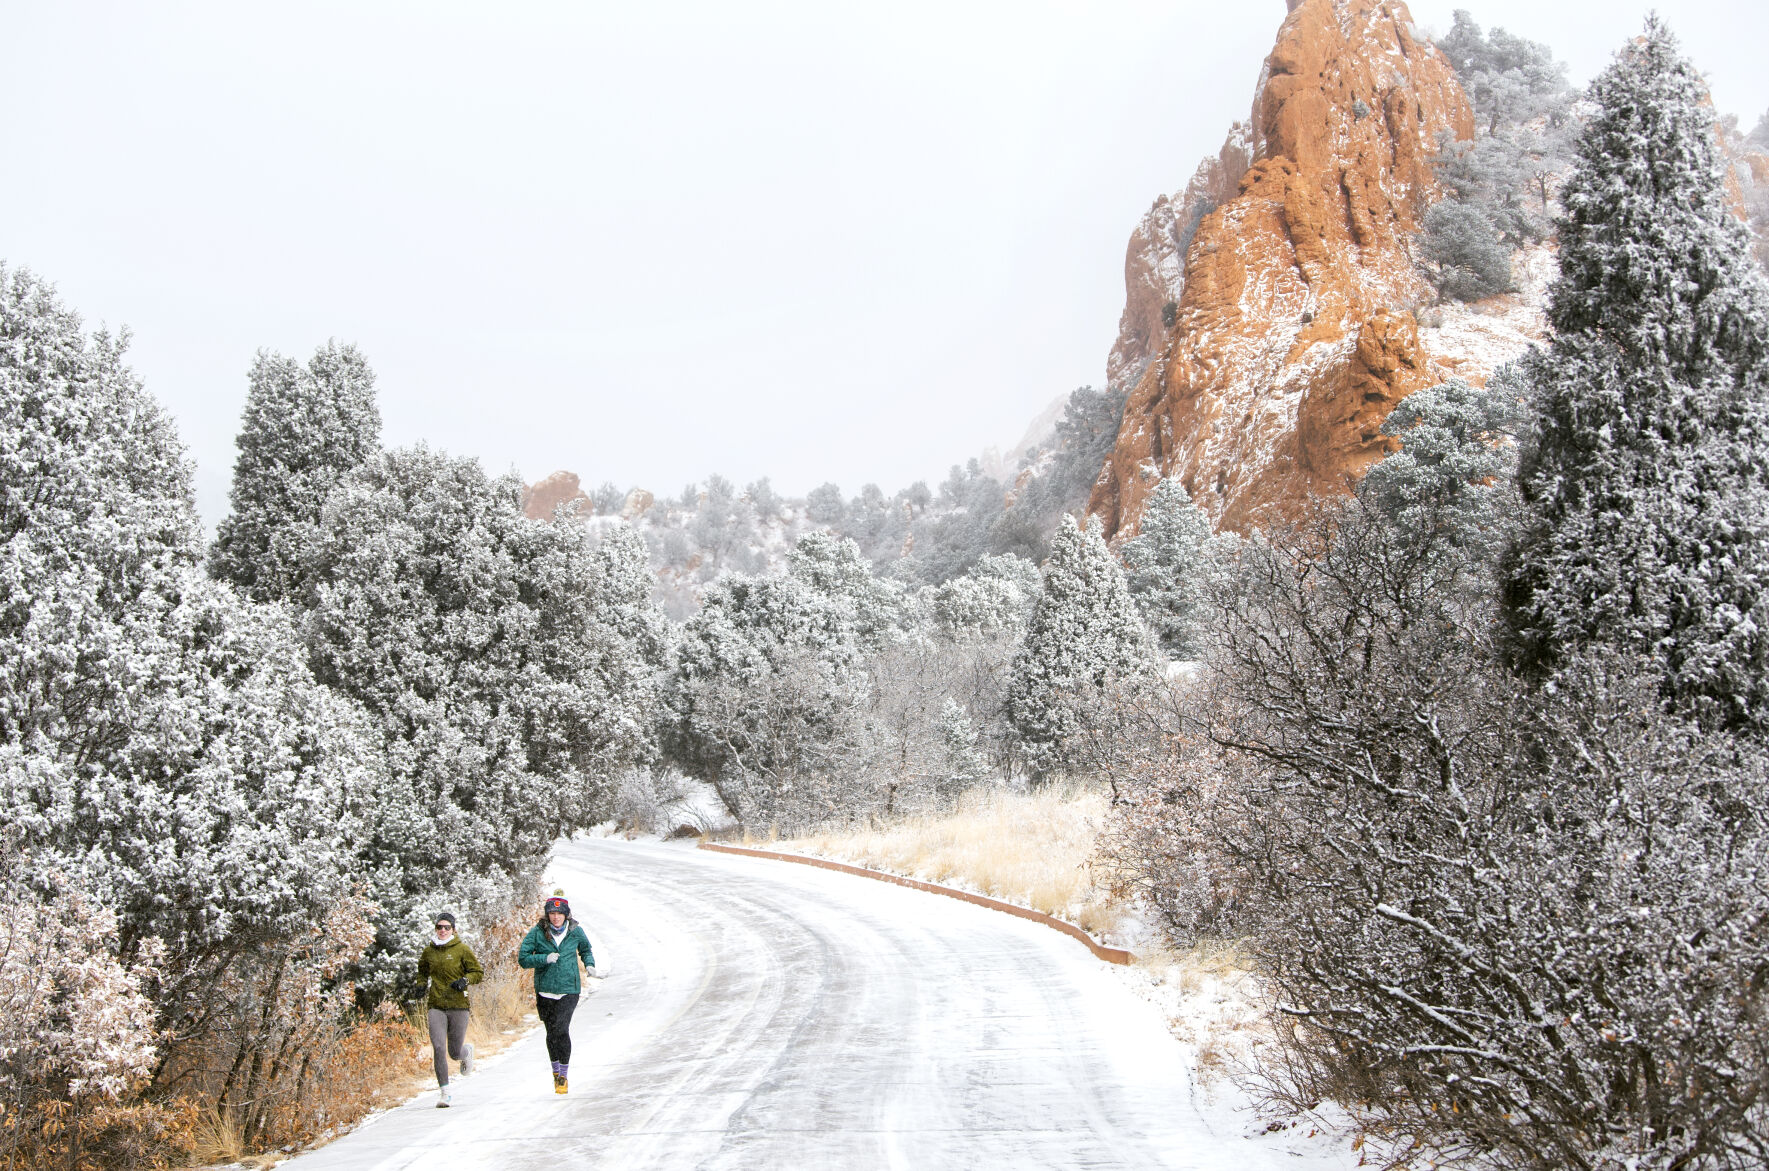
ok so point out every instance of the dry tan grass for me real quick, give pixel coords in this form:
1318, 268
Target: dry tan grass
215, 1139
1027, 848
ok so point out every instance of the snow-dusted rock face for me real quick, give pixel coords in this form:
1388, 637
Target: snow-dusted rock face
1154, 263
1747, 179
1294, 330
1469, 340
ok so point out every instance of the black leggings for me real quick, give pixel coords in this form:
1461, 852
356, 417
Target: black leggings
556, 1015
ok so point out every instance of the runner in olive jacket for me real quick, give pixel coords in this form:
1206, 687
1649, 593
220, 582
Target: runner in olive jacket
449, 966
552, 948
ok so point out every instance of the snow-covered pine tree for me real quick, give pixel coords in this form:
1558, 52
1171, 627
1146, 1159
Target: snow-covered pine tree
965, 765
303, 429
1646, 476
1169, 564
1085, 635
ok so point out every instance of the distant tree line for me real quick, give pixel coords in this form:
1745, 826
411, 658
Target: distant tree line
917, 535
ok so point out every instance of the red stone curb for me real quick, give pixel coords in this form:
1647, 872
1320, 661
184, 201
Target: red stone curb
1112, 955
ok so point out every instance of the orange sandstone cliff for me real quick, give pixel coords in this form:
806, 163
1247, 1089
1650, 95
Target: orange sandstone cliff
1292, 328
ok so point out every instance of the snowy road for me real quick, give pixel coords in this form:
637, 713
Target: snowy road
761, 1014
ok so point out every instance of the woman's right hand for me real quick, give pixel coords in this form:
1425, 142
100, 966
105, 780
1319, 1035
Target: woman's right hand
552, 957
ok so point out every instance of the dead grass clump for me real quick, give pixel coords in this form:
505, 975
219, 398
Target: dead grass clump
216, 1138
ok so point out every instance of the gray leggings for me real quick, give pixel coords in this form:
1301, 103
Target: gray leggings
453, 1023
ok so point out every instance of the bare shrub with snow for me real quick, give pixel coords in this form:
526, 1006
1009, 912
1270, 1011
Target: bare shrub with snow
77, 1034
1523, 923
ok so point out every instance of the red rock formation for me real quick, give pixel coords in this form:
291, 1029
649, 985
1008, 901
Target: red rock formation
1294, 333
1154, 263
539, 500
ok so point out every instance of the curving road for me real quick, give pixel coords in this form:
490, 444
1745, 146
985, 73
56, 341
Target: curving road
760, 1014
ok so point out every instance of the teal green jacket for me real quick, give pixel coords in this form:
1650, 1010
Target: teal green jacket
561, 977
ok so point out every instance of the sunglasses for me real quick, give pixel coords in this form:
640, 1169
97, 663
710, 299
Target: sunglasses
444, 927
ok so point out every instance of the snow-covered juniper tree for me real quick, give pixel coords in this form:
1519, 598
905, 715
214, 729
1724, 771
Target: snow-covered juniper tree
160, 738
1509, 79
1464, 256
769, 686
1454, 477
623, 599
995, 598
834, 570
504, 691
1526, 127
1084, 635
304, 427
1169, 565
977, 622
163, 745
765, 699
1646, 474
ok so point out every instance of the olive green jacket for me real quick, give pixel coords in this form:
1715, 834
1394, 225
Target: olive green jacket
444, 965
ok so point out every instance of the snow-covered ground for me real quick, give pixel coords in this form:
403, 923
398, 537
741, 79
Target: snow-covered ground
761, 1014
1473, 340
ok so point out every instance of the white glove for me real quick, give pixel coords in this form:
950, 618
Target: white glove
593, 974
552, 957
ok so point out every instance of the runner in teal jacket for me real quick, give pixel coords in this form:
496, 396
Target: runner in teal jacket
552, 948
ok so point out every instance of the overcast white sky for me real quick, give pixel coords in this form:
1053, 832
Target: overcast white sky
646, 242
